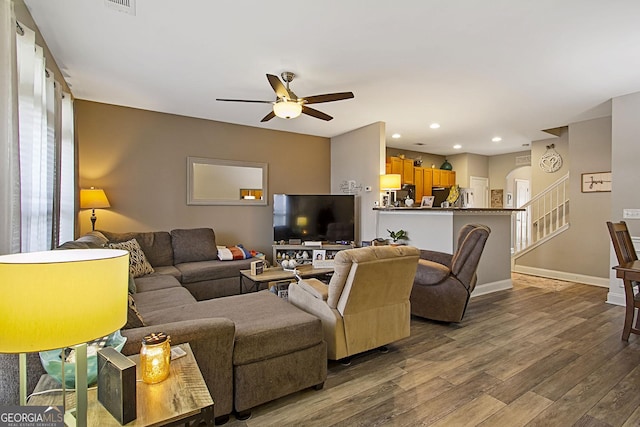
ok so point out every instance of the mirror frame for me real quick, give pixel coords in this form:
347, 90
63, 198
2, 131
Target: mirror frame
192, 200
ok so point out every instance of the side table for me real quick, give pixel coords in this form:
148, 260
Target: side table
181, 398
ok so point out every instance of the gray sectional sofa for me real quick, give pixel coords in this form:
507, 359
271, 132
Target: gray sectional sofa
191, 256
251, 348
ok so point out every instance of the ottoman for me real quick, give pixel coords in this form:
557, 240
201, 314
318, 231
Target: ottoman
278, 349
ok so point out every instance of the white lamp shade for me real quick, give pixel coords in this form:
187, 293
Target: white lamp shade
287, 109
390, 181
60, 298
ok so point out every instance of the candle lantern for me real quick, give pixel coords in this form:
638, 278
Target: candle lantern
155, 356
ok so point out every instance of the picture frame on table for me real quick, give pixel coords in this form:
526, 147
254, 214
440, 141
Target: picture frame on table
427, 201
320, 259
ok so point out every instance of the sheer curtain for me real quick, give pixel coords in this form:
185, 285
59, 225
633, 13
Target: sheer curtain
41, 149
9, 159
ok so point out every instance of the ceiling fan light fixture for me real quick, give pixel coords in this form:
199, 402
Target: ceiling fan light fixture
287, 109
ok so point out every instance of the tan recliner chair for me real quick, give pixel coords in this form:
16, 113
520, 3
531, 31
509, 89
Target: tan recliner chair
444, 282
366, 304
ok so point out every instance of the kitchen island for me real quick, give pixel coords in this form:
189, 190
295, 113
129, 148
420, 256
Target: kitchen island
437, 229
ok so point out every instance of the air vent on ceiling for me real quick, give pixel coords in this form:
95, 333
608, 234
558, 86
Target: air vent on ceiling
523, 160
126, 6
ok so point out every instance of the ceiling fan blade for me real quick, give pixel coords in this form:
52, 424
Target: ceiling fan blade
268, 117
329, 97
315, 113
278, 87
244, 100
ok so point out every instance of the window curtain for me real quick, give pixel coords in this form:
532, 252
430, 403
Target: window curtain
43, 142
9, 157
67, 196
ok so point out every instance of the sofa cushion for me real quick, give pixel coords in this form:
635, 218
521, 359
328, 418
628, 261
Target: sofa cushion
169, 270
194, 244
94, 237
134, 318
138, 264
155, 244
73, 244
160, 300
266, 326
212, 270
155, 281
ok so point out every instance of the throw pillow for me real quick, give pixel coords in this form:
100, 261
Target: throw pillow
132, 284
138, 264
134, 319
229, 253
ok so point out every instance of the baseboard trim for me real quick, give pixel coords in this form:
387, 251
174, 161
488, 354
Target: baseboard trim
562, 275
615, 299
491, 287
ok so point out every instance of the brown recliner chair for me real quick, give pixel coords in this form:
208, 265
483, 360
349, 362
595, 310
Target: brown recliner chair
444, 282
366, 304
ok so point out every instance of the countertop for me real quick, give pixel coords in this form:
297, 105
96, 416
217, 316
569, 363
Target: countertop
453, 209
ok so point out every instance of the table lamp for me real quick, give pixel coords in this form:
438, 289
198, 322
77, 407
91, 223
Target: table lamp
93, 198
58, 299
390, 183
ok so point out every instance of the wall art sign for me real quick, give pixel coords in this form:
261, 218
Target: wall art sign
596, 182
551, 160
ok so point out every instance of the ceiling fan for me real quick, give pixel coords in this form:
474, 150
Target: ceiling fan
287, 104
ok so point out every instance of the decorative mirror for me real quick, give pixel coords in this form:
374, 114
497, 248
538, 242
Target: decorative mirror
226, 182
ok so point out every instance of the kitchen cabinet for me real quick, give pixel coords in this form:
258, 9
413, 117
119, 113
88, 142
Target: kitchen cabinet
403, 167
423, 178
443, 178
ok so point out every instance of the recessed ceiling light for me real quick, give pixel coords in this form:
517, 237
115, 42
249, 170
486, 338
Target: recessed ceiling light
396, 136
496, 139
434, 125
457, 147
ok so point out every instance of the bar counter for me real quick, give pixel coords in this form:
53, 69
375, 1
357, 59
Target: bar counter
437, 229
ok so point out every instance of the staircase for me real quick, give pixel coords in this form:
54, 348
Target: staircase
544, 216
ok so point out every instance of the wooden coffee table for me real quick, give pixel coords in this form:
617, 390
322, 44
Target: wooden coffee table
182, 397
275, 274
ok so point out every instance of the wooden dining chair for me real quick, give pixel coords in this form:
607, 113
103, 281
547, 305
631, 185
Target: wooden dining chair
625, 252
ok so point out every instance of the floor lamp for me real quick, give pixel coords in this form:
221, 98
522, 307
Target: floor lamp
58, 299
93, 198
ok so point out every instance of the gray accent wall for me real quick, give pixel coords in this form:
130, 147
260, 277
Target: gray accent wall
139, 158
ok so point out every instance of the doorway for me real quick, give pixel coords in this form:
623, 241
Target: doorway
523, 229
480, 188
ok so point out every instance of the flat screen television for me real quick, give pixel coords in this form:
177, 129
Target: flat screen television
314, 217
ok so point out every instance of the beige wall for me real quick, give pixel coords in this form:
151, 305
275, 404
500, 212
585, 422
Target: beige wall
584, 248
427, 158
359, 156
139, 158
467, 165
500, 166
540, 180
625, 176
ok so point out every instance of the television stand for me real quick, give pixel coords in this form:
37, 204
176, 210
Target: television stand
297, 252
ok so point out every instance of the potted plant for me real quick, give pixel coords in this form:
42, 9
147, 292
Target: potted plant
398, 235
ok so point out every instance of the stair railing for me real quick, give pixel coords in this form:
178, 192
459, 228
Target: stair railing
544, 216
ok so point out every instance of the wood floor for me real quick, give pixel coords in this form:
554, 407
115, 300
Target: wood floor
546, 353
